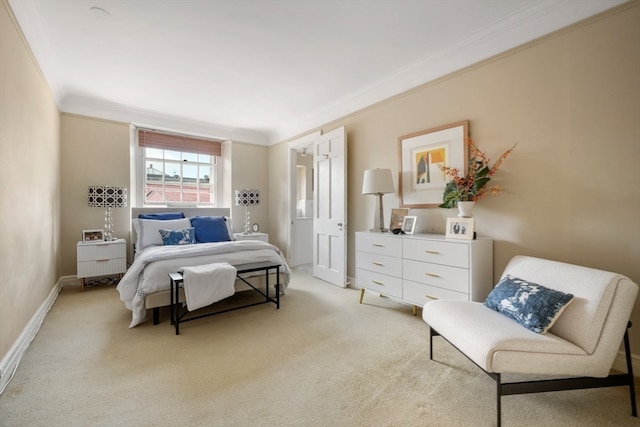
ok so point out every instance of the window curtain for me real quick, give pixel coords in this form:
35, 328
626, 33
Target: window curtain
175, 142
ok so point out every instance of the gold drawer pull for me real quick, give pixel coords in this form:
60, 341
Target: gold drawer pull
103, 260
379, 264
380, 245
431, 296
377, 282
432, 252
432, 274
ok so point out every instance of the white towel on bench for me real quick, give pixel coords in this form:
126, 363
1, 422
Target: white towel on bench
206, 284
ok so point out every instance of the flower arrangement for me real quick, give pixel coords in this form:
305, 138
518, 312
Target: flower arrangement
473, 186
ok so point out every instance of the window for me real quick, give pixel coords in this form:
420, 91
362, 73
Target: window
178, 170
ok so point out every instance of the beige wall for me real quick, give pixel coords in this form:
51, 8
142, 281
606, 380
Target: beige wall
571, 102
29, 184
94, 152
249, 169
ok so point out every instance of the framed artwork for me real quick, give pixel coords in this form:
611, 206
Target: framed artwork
396, 218
92, 235
408, 224
421, 181
460, 228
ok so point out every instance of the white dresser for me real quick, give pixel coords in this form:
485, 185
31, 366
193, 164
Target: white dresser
417, 268
101, 259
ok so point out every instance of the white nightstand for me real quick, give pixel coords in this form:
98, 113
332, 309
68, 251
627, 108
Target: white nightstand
101, 259
255, 236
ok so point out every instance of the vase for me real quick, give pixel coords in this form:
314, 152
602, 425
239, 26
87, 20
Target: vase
465, 209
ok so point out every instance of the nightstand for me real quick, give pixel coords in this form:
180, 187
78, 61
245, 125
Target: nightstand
254, 236
101, 259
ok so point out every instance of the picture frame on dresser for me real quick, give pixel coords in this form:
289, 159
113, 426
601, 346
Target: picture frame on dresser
92, 235
460, 228
409, 224
397, 215
422, 182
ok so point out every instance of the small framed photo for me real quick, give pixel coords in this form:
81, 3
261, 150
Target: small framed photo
92, 235
397, 215
408, 224
460, 228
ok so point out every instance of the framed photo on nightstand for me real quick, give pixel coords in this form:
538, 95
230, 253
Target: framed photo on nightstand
92, 236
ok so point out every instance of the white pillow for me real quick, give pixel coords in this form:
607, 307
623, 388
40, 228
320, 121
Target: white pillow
148, 230
229, 228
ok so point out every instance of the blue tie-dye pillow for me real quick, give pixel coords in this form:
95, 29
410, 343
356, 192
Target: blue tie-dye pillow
186, 236
533, 306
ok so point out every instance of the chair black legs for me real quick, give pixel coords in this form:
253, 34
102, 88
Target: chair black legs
632, 390
525, 387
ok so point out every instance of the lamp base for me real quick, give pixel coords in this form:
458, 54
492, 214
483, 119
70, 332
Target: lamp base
379, 230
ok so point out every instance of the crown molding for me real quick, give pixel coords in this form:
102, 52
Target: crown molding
524, 26
121, 113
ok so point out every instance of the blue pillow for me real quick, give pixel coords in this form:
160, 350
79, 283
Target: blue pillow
210, 229
533, 306
162, 216
178, 237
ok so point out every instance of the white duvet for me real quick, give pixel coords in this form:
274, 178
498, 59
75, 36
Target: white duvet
150, 270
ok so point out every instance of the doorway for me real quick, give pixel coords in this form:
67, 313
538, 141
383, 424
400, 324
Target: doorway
301, 188
327, 205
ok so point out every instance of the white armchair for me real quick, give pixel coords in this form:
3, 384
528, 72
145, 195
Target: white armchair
582, 343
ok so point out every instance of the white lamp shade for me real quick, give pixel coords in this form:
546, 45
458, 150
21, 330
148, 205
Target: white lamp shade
377, 181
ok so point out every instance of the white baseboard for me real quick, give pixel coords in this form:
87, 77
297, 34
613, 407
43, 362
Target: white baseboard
10, 362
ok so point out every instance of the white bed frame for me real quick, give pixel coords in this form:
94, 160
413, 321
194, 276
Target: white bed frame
163, 299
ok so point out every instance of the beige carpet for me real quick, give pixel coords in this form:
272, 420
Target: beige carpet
321, 360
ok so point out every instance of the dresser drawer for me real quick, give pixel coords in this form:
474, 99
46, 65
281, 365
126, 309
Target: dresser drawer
437, 251
442, 276
381, 283
419, 293
378, 243
101, 268
102, 251
383, 264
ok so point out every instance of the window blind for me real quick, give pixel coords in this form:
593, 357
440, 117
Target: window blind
175, 142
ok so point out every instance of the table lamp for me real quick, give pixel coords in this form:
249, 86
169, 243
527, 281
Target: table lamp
107, 197
247, 198
378, 182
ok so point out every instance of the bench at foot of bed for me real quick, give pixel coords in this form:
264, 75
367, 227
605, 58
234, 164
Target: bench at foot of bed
177, 282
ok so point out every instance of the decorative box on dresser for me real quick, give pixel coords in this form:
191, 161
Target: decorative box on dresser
419, 267
101, 259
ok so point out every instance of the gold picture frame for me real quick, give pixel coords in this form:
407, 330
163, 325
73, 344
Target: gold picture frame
397, 215
421, 182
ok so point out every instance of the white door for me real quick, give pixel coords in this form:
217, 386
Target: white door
330, 207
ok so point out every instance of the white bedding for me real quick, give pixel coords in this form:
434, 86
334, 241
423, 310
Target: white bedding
150, 270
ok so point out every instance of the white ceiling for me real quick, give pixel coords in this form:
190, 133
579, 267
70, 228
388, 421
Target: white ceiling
265, 70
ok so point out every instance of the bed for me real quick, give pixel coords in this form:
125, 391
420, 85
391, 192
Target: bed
145, 285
